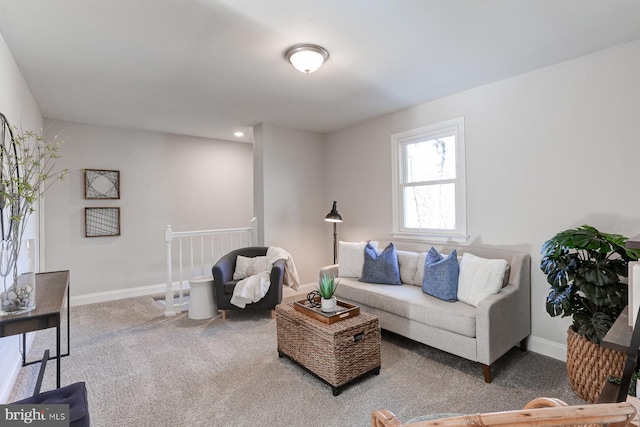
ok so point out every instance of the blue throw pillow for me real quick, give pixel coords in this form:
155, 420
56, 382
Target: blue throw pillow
440, 277
381, 268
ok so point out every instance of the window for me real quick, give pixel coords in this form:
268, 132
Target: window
429, 183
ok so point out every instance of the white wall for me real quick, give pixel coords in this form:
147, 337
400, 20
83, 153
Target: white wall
290, 198
189, 183
16, 100
18, 105
546, 151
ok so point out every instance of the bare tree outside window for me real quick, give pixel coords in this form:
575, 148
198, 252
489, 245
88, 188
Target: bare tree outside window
429, 193
429, 185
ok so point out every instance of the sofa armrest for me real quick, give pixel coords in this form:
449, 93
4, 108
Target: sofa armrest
504, 319
331, 270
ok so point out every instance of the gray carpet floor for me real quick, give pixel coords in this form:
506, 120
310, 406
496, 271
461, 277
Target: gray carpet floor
144, 369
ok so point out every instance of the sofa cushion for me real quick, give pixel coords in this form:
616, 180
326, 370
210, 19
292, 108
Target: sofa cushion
480, 277
248, 266
410, 302
408, 263
417, 280
382, 267
351, 258
440, 278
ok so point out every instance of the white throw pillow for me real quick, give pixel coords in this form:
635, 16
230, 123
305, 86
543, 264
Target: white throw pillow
479, 278
351, 258
248, 266
420, 269
408, 262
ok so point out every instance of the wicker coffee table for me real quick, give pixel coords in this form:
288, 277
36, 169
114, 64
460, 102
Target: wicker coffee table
336, 353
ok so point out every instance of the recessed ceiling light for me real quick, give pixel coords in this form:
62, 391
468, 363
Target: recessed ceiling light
238, 134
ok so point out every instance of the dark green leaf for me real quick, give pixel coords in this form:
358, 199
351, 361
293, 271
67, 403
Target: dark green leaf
584, 268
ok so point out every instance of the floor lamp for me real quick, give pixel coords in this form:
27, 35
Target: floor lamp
335, 218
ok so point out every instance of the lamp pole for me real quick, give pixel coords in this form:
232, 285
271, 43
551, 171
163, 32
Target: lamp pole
335, 218
335, 242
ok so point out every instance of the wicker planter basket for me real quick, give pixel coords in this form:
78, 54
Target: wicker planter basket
588, 365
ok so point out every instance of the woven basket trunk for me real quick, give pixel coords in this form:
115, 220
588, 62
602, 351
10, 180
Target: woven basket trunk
588, 365
330, 351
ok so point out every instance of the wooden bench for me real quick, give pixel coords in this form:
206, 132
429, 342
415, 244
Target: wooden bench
538, 412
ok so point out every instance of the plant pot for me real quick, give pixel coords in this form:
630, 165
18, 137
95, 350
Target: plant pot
588, 365
328, 305
18, 287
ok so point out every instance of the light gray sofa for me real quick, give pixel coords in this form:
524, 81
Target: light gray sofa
482, 334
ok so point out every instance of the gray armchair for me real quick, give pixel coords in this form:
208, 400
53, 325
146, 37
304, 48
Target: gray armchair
223, 283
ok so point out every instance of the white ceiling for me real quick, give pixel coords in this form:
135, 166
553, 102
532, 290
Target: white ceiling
206, 67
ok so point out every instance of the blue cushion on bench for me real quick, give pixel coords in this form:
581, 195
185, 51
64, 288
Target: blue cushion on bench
74, 395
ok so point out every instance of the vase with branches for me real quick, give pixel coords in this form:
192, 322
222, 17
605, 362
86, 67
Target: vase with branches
26, 171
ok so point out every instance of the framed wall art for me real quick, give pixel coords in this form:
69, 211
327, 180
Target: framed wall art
101, 222
101, 184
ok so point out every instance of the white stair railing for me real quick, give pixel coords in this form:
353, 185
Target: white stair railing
197, 252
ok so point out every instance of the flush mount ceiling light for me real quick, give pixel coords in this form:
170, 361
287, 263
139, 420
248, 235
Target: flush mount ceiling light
306, 58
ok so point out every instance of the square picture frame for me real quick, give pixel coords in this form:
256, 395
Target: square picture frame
101, 222
101, 184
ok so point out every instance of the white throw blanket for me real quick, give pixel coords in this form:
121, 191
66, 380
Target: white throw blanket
255, 287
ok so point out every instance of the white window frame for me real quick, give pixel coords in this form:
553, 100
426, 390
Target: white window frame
398, 142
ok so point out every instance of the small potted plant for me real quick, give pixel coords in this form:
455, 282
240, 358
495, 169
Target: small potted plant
585, 268
326, 288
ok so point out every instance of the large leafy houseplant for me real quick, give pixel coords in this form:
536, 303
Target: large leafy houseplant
584, 268
26, 172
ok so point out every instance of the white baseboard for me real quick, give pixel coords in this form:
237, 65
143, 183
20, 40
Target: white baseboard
124, 293
12, 359
160, 289
302, 291
547, 348
11, 362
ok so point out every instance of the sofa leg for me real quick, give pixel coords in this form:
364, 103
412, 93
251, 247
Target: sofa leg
273, 314
523, 345
224, 314
486, 370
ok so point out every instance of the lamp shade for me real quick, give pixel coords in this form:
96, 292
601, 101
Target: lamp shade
333, 216
306, 58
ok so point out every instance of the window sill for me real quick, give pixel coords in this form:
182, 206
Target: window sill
429, 237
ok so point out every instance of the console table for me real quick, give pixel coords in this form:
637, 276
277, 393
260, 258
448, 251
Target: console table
51, 288
621, 337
